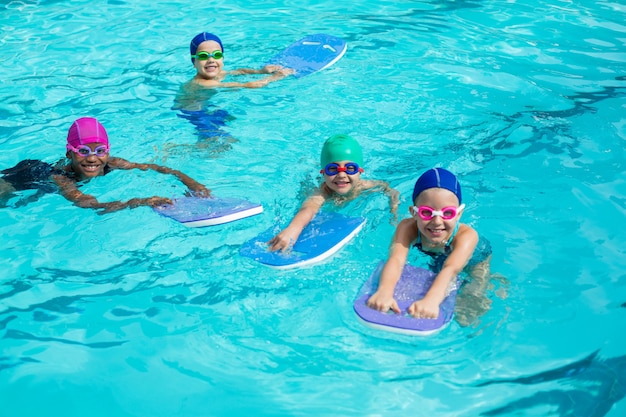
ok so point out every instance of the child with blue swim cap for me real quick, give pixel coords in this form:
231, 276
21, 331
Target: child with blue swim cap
341, 163
435, 230
207, 57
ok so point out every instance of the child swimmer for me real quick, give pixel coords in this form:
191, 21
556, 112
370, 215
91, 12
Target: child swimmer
436, 231
87, 157
341, 162
207, 56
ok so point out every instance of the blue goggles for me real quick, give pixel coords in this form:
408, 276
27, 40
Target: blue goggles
333, 169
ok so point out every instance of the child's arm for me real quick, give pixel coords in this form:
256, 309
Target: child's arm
276, 75
392, 193
194, 186
268, 69
462, 249
70, 191
288, 237
382, 299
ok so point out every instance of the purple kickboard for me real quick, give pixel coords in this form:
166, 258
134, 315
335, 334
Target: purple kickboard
413, 285
199, 212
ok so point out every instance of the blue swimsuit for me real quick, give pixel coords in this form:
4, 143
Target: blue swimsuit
208, 124
481, 252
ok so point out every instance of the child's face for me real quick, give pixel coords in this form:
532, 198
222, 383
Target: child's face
210, 68
87, 167
342, 183
436, 231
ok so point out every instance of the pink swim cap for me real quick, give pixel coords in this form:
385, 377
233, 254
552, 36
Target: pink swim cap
86, 130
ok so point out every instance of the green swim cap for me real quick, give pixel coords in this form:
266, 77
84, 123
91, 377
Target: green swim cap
341, 148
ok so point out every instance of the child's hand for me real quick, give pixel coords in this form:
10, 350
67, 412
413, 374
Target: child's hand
270, 69
199, 190
286, 71
383, 303
283, 241
424, 309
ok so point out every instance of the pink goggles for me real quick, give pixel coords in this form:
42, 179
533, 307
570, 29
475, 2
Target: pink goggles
428, 213
85, 151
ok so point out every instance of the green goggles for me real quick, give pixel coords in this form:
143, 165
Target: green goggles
203, 56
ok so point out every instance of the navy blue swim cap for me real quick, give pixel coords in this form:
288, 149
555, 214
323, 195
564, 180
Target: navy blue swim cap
437, 178
201, 37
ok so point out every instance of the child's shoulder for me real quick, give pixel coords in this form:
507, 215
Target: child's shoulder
466, 233
407, 226
202, 82
372, 183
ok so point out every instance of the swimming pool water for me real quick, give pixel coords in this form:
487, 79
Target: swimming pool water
131, 314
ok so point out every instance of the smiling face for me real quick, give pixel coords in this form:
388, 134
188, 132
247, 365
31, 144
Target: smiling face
87, 167
342, 183
211, 68
436, 231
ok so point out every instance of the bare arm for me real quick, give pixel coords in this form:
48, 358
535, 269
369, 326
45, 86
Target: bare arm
70, 191
275, 76
268, 69
382, 299
194, 186
286, 238
392, 193
463, 247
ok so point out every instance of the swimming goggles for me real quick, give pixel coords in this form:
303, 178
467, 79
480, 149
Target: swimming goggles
203, 56
85, 151
428, 213
333, 169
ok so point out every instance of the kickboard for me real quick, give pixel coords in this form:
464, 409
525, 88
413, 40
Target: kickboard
413, 285
321, 238
200, 212
310, 54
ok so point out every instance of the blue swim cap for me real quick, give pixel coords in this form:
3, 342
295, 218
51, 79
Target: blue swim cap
437, 178
201, 37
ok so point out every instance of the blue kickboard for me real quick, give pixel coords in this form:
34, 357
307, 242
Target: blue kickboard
310, 54
413, 285
199, 212
321, 238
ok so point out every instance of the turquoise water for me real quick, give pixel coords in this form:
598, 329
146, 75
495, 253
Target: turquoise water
131, 314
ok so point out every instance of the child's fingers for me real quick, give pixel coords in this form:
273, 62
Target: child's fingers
420, 311
275, 244
395, 308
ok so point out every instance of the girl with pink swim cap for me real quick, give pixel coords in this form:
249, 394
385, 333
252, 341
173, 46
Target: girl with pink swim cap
87, 157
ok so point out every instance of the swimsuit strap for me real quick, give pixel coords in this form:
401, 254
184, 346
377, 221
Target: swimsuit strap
456, 229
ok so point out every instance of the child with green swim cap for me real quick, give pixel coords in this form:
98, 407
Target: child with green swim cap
341, 162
